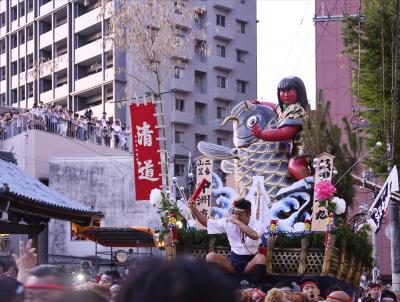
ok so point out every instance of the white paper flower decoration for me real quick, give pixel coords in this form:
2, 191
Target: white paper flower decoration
155, 197
340, 205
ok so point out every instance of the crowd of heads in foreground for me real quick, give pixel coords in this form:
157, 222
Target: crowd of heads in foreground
184, 279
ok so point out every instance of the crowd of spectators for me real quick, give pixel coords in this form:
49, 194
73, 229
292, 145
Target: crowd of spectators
59, 120
181, 280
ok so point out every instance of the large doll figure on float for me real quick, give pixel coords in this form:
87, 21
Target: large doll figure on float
291, 111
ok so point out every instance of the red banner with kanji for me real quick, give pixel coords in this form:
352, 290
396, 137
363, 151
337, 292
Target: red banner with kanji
147, 166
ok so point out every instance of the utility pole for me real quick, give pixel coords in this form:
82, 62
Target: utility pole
394, 206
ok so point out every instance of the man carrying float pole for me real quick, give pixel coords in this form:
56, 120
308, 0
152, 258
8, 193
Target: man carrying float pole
243, 233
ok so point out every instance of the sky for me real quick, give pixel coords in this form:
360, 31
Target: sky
285, 45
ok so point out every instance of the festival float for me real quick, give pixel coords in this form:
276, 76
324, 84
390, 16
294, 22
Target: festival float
293, 196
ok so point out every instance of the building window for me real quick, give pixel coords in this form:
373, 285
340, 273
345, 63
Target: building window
2, 46
3, 19
21, 8
60, 20
200, 113
240, 56
107, 27
179, 170
30, 61
220, 20
221, 51
43, 2
3, 99
241, 86
221, 82
22, 93
61, 49
2, 73
14, 41
22, 65
200, 16
14, 69
29, 32
200, 50
221, 141
180, 105
240, 26
179, 137
30, 5
179, 72
14, 13
221, 112
21, 36
199, 81
30, 89
14, 96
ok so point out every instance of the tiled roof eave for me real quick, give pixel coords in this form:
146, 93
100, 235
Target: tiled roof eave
21, 203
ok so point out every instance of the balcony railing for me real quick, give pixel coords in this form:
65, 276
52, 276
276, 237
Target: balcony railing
46, 8
74, 129
181, 85
88, 51
46, 39
60, 32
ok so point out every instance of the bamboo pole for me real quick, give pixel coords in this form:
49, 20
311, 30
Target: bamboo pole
357, 275
170, 247
305, 242
350, 271
270, 255
341, 263
328, 254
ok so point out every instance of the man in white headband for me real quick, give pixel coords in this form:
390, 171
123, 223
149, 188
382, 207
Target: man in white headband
243, 234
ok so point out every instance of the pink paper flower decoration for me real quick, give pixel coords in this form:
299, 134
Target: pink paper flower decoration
324, 190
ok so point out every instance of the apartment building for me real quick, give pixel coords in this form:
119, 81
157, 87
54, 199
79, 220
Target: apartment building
55, 51
210, 83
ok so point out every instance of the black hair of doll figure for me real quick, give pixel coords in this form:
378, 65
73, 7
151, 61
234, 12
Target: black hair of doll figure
291, 111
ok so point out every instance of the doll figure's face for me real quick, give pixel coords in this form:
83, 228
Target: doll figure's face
288, 96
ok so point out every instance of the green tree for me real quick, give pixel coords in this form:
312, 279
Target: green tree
321, 135
369, 43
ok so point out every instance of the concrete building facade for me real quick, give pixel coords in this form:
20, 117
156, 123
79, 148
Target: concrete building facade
56, 51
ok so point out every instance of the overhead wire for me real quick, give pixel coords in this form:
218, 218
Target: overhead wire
322, 35
295, 39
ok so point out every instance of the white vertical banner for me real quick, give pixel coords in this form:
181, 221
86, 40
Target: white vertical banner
323, 172
204, 167
381, 203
